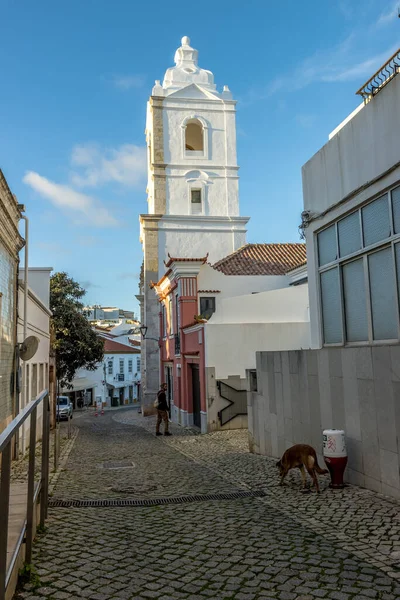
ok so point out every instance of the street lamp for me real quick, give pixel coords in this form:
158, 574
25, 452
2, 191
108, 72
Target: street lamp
143, 331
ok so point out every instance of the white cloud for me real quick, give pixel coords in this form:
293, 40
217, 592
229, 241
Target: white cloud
126, 165
337, 64
389, 14
127, 82
88, 209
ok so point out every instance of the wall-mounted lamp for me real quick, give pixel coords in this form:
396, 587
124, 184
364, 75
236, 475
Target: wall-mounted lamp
143, 331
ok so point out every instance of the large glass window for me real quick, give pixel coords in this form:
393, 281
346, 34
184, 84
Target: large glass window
383, 295
327, 248
360, 285
331, 310
349, 234
396, 209
355, 301
376, 222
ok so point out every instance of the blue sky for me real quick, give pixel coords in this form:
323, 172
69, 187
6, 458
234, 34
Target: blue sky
75, 79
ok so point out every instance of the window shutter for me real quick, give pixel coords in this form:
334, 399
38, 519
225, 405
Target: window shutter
383, 295
327, 250
355, 301
375, 219
331, 311
396, 209
349, 234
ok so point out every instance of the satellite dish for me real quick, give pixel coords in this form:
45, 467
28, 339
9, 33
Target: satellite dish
29, 347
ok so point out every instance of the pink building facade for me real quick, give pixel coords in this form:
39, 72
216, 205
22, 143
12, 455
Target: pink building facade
182, 364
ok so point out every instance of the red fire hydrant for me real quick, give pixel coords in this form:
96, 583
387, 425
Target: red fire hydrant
335, 455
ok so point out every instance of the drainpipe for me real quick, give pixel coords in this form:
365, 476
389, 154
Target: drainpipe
24, 390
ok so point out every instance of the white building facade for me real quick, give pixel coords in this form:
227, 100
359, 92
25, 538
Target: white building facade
193, 197
350, 379
35, 371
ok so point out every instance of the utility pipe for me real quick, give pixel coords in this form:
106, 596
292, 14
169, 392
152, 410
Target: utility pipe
25, 327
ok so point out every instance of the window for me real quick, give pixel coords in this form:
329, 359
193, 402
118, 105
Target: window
354, 301
194, 139
383, 294
331, 312
130, 365
121, 366
195, 201
177, 315
164, 321
207, 307
375, 220
34, 382
359, 273
170, 315
110, 367
253, 380
138, 364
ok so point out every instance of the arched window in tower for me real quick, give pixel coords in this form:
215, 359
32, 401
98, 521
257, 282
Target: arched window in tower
194, 136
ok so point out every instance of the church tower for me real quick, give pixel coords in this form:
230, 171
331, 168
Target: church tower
193, 184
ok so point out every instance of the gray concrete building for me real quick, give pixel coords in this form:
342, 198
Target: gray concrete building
349, 378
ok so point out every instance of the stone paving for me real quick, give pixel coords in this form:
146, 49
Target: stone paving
238, 549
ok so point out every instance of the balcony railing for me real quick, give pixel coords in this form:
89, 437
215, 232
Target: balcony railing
177, 344
374, 85
6, 444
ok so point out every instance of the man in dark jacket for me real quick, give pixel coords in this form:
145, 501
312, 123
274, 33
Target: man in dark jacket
162, 410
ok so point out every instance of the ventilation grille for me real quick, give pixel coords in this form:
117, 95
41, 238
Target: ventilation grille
56, 503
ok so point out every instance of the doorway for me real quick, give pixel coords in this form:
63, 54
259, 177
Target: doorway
196, 395
170, 388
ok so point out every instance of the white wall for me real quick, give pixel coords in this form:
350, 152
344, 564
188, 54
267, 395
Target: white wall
194, 238
39, 282
364, 148
274, 320
237, 285
35, 371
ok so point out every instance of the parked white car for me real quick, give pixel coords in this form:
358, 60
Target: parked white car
64, 408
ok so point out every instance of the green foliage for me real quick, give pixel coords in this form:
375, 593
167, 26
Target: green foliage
28, 574
76, 344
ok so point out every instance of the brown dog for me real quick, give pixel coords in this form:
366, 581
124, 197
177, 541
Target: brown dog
300, 456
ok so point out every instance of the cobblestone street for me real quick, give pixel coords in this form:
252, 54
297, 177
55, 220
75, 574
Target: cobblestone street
286, 545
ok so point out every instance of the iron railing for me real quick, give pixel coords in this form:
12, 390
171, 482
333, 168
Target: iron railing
6, 444
177, 344
381, 77
237, 402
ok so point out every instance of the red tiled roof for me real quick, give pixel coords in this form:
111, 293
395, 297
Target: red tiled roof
111, 346
134, 342
262, 259
297, 266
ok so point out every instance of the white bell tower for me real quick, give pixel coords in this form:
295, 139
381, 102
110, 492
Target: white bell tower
193, 183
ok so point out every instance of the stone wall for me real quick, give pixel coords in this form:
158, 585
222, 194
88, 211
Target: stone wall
10, 245
300, 393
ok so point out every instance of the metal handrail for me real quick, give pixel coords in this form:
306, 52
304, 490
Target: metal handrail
16, 423
6, 438
381, 77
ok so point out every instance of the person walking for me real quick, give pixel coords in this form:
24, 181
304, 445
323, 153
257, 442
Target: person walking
162, 410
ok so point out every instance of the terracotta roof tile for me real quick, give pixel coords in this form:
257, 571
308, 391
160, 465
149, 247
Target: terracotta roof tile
173, 259
111, 346
262, 259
